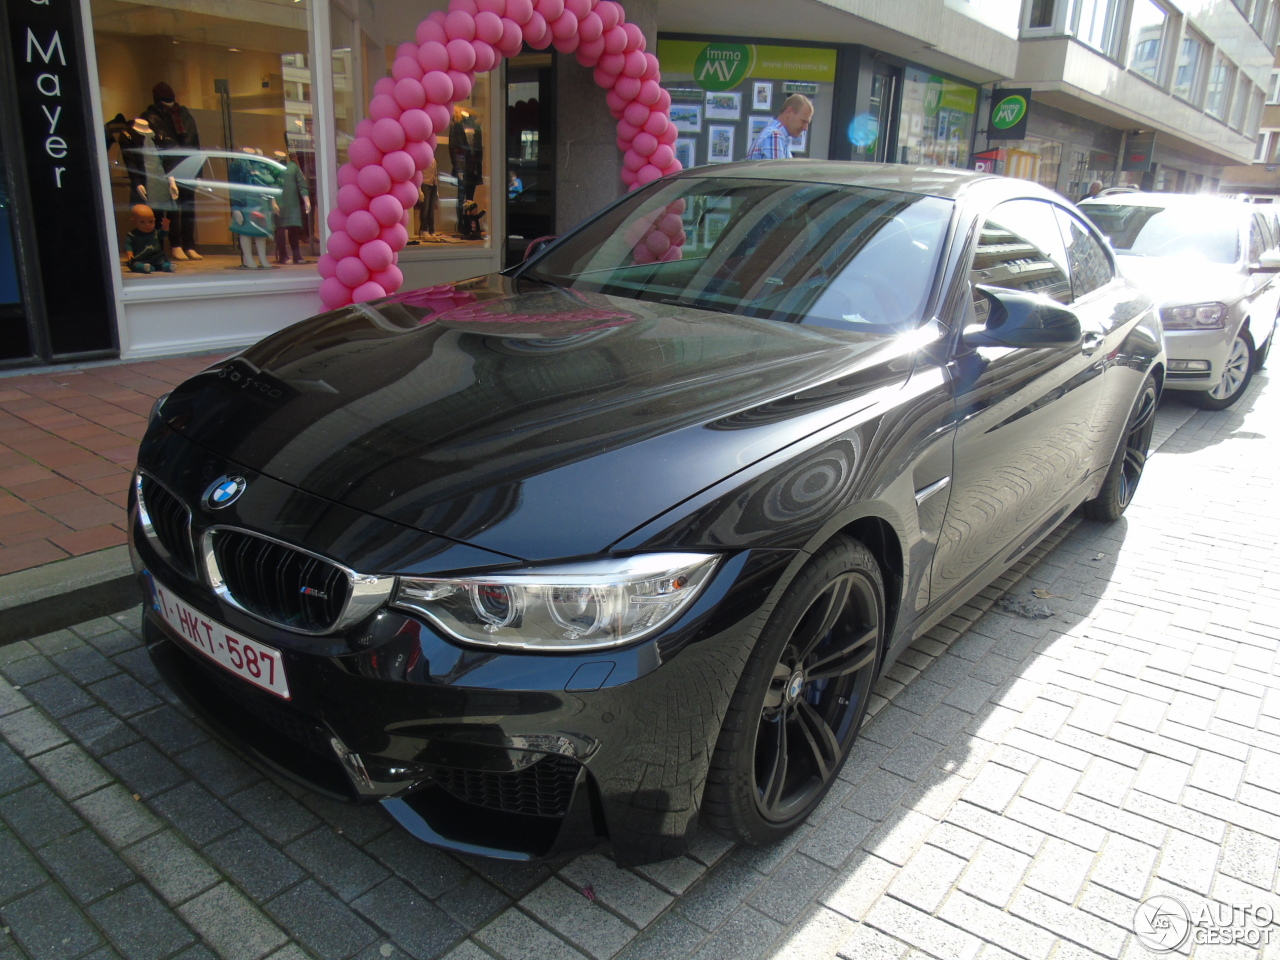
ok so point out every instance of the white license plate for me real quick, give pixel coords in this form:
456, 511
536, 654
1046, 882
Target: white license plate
248, 659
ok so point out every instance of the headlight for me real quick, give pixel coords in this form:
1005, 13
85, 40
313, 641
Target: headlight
1195, 316
584, 606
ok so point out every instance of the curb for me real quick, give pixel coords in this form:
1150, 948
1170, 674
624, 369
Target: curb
59, 594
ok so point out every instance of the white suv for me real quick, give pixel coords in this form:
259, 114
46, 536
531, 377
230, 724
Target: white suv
1211, 265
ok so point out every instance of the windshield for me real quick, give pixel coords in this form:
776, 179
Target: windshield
844, 257
1201, 232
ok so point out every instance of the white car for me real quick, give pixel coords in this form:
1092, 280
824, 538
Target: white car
1211, 264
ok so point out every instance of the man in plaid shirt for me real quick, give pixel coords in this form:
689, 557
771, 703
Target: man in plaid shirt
774, 142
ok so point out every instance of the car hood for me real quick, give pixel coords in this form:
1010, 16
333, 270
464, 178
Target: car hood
1178, 280
533, 421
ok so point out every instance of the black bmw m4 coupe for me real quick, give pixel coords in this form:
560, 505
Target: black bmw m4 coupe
618, 541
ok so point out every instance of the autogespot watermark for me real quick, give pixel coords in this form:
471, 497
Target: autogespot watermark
1163, 924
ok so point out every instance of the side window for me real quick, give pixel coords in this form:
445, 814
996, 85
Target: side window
1090, 266
1020, 248
1259, 237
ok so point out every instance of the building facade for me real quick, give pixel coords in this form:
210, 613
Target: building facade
229, 122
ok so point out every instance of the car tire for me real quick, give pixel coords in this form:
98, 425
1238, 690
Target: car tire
1130, 458
1236, 373
801, 698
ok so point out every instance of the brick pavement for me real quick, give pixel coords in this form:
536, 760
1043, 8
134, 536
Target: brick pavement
1023, 785
68, 439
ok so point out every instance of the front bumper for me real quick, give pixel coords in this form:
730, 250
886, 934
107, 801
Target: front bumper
508, 755
1211, 345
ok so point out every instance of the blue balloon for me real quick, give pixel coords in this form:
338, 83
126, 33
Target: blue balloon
864, 130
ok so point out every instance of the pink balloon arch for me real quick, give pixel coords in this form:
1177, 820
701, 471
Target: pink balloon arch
413, 106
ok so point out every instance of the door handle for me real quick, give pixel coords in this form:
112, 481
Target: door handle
1090, 342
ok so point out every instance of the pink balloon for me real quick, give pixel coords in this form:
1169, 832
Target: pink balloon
519, 11
337, 220
651, 71
647, 174
352, 271
326, 266
627, 131
334, 293
623, 145
364, 128
420, 153
398, 165
551, 9
430, 31
433, 56
438, 86
363, 152
656, 123
610, 13
384, 105
677, 206
513, 37
406, 49
468, 6
664, 101
417, 124
388, 135
377, 255
635, 37
662, 157
566, 45
615, 40
390, 279
374, 180
613, 62
565, 27
641, 254
635, 64
591, 27
486, 55
671, 225
341, 245
675, 167
673, 254
604, 79
535, 29
636, 114
633, 161
347, 174
406, 67
649, 93
644, 144
362, 226
367, 291
498, 7
395, 236
409, 94
383, 86
628, 176
657, 242
615, 102
460, 25
462, 83
628, 88
386, 209
488, 27
590, 52
351, 198
440, 114
462, 55
669, 135
405, 192
579, 8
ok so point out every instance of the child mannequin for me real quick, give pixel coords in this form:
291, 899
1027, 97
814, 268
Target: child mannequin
252, 212
144, 244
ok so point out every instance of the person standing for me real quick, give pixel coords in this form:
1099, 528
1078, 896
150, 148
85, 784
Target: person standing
294, 204
177, 137
1095, 188
774, 142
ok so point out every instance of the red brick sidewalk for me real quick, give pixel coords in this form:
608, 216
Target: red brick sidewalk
68, 441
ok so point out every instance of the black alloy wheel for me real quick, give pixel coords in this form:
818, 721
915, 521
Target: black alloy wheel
1130, 458
801, 699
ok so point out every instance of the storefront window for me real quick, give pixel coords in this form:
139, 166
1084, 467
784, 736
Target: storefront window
723, 94
1034, 158
456, 203
937, 120
208, 126
1146, 39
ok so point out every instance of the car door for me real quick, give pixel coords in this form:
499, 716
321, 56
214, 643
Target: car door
1025, 437
1264, 289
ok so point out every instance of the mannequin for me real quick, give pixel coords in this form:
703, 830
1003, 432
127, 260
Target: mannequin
294, 204
252, 210
154, 188
176, 136
466, 151
428, 197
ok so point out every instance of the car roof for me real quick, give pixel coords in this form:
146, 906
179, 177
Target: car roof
945, 182
1187, 200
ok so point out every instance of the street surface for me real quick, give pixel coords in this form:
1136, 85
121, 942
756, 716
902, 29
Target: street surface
1026, 785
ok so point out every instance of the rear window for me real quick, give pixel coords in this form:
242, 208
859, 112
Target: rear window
1197, 232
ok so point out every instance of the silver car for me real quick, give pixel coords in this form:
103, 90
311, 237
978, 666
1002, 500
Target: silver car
1211, 264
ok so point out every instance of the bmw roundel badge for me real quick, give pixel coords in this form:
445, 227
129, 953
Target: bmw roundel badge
224, 491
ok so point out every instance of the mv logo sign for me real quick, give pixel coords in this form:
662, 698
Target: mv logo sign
1009, 110
722, 66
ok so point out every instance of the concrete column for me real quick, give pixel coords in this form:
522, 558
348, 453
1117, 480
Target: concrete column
588, 161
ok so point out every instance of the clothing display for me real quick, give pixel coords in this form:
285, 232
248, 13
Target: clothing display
466, 152
147, 251
256, 217
294, 205
177, 137
428, 197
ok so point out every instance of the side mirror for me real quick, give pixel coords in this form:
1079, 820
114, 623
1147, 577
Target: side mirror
1269, 262
535, 247
1020, 319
